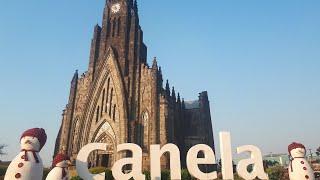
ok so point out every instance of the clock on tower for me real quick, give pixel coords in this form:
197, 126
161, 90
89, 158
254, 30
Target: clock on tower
115, 7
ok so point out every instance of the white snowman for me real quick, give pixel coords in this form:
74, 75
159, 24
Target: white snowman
60, 168
27, 165
299, 168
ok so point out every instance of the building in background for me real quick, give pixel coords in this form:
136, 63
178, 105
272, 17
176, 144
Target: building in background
121, 99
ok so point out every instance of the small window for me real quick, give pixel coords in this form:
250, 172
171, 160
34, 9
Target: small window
110, 104
97, 115
114, 112
102, 103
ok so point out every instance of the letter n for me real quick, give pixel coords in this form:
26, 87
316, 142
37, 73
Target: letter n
155, 155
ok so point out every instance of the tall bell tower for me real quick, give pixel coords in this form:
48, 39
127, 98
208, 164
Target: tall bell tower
122, 33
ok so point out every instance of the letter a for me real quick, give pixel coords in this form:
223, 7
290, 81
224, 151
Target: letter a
255, 160
135, 161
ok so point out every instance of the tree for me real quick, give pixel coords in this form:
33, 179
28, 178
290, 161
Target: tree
318, 151
270, 163
2, 146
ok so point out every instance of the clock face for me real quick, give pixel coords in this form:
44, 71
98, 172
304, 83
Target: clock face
115, 8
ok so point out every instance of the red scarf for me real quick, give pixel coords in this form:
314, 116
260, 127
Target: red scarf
26, 155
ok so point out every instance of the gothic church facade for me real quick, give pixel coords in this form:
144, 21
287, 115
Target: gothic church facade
121, 99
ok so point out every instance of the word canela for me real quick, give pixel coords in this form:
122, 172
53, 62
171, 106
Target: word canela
175, 167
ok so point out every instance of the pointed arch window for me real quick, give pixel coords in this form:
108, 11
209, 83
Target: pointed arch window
102, 103
107, 96
98, 112
145, 129
110, 104
114, 112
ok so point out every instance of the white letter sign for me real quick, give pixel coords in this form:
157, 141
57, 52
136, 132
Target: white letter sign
135, 161
255, 160
193, 161
155, 156
82, 161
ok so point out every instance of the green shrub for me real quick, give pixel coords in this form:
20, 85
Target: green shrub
97, 170
109, 175
237, 177
165, 175
76, 178
45, 172
3, 171
277, 172
185, 174
147, 174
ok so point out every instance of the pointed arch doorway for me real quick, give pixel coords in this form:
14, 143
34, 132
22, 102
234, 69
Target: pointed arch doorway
106, 158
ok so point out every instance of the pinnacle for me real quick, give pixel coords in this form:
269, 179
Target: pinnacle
155, 64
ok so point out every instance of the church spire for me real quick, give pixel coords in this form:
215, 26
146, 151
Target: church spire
160, 79
167, 88
154, 63
173, 94
135, 6
183, 104
179, 100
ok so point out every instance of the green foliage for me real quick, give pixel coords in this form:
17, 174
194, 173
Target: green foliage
165, 175
45, 173
97, 170
109, 175
185, 175
270, 163
2, 146
76, 178
147, 174
237, 177
277, 172
3, 171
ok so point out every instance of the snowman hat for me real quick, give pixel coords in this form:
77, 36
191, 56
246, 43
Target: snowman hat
39, 133
295, 145
59, 158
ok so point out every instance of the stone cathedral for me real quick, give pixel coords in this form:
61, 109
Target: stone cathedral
121, 99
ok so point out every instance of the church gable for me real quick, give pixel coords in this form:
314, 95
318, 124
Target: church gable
107, 100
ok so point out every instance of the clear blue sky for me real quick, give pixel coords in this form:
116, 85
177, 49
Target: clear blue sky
259, 61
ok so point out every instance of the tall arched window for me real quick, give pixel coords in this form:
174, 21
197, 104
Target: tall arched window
145, 122
102, 103
98, 112
114, 112
110, 104
107, 96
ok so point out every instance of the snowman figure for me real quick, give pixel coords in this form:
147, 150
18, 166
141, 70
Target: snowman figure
60, 166
27, 165
299, 168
